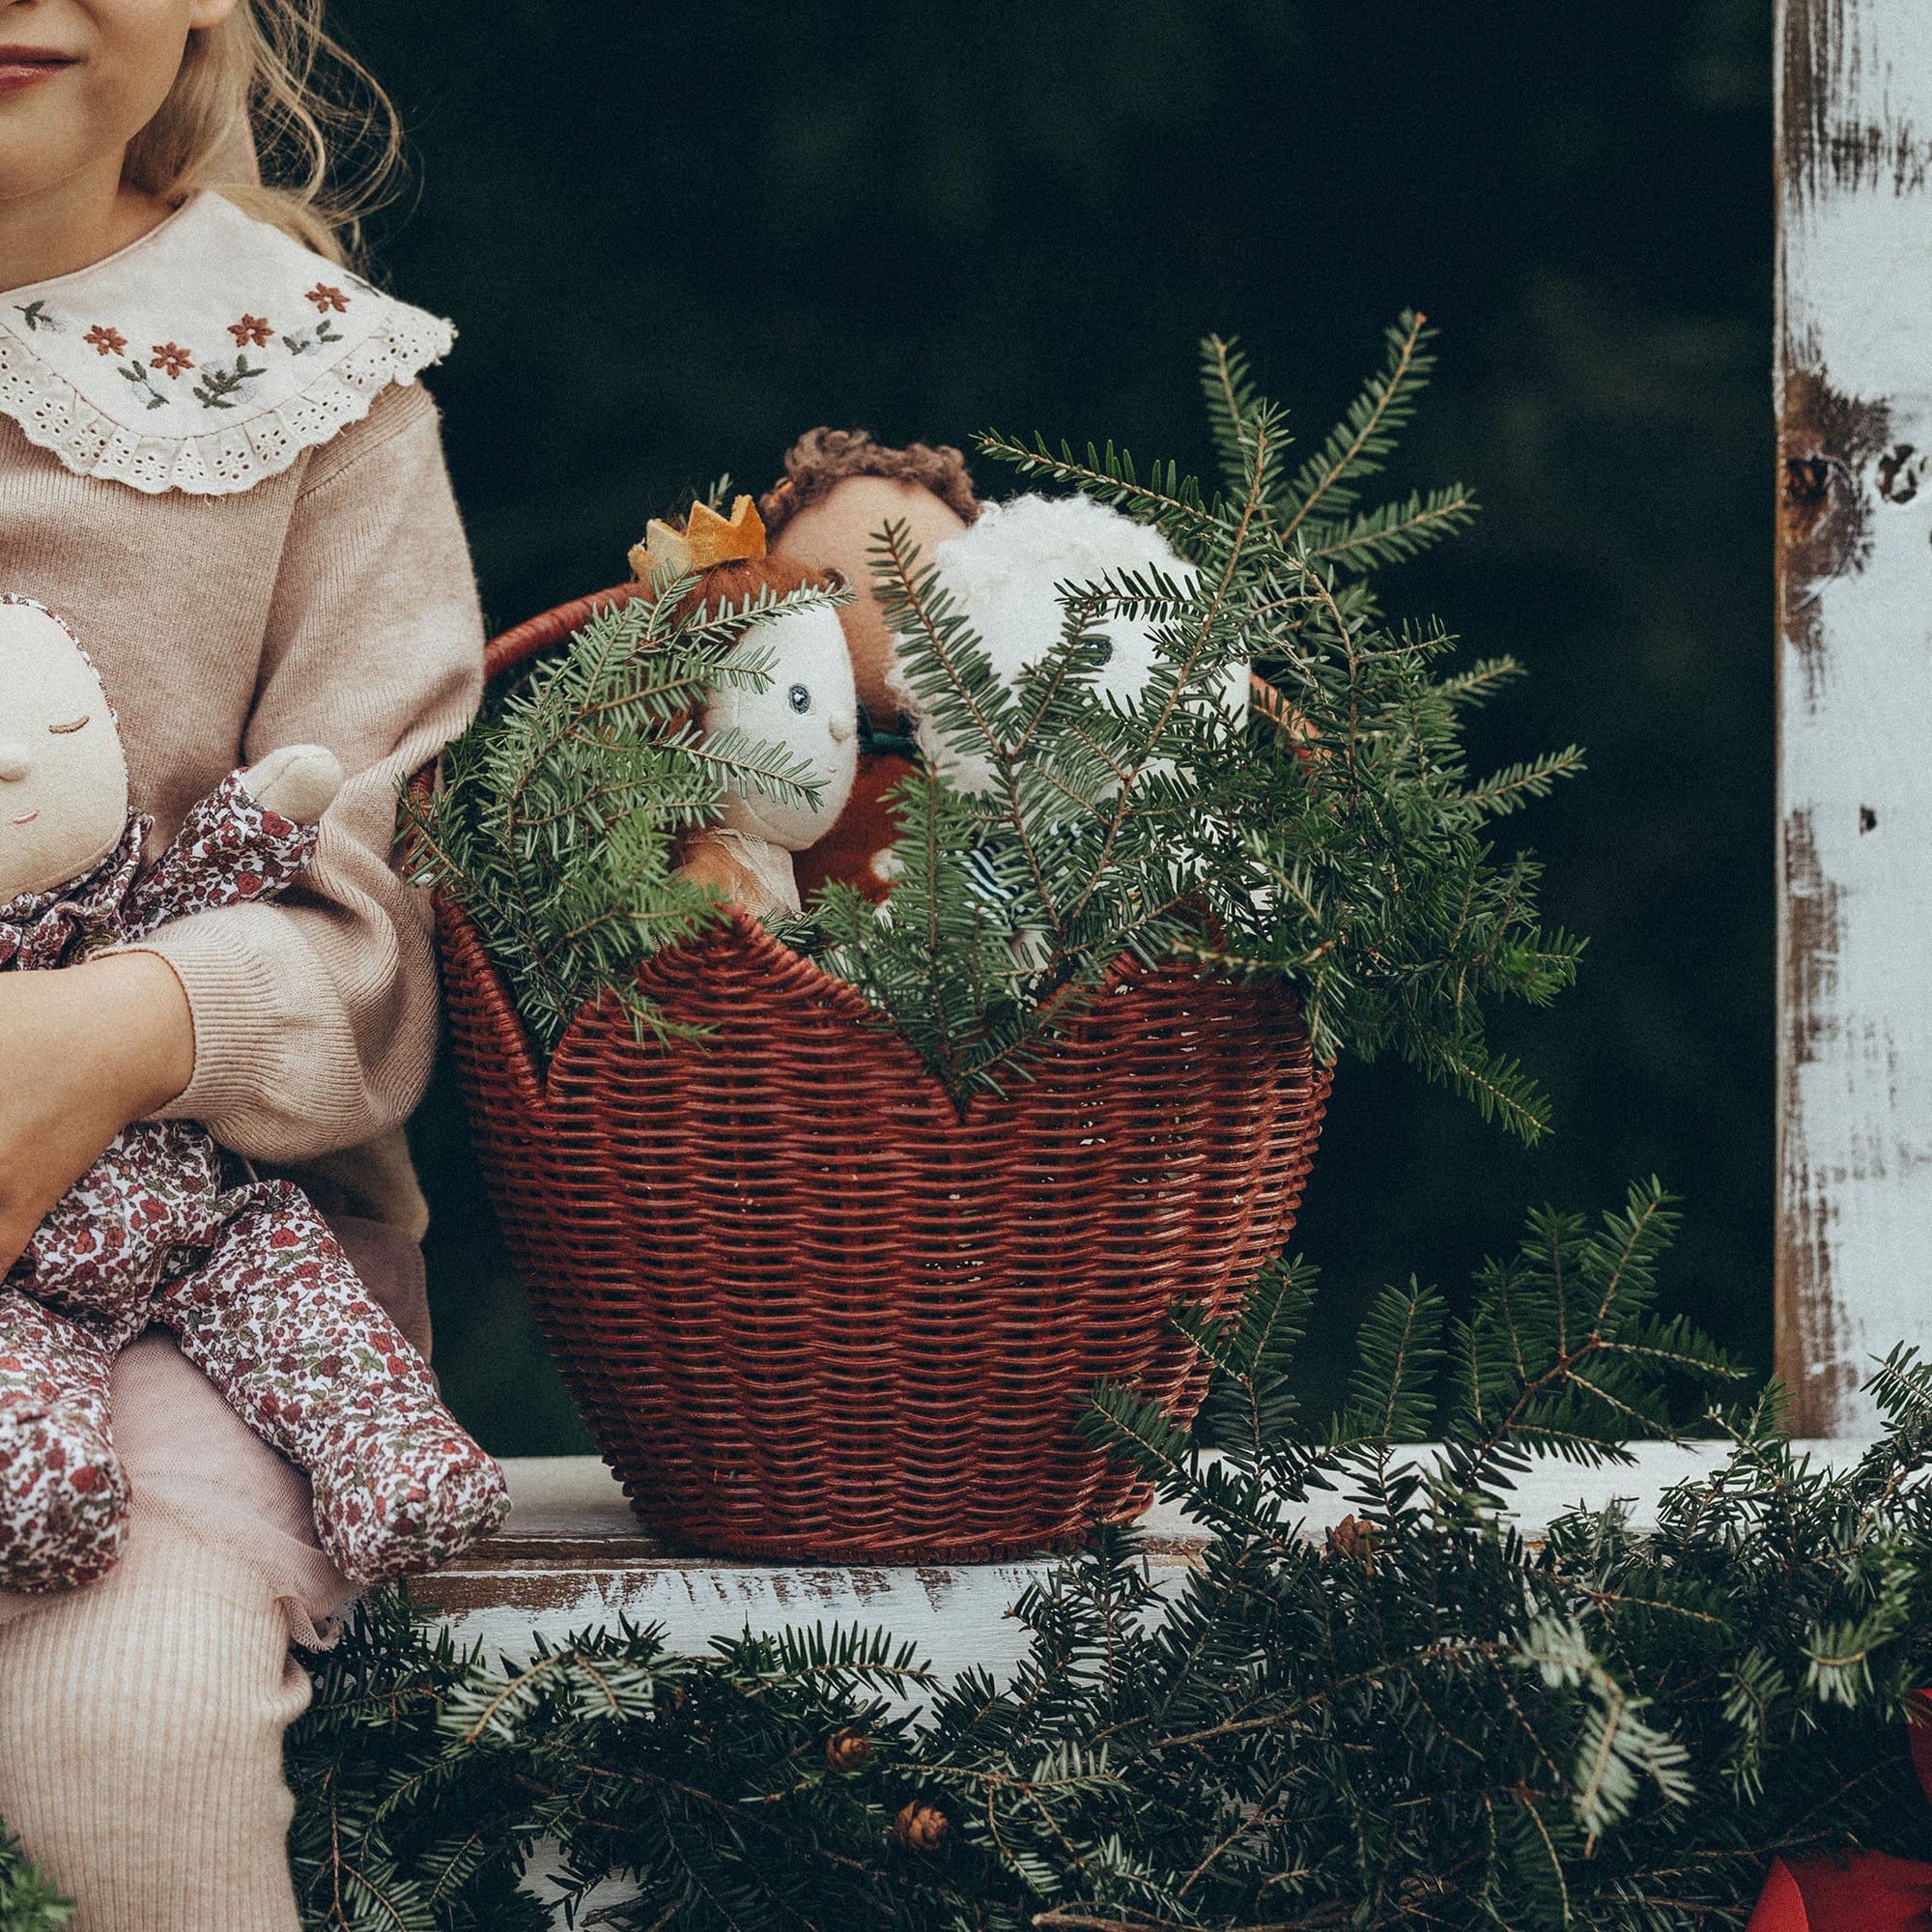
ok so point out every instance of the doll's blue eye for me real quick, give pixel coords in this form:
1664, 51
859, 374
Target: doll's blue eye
799, 698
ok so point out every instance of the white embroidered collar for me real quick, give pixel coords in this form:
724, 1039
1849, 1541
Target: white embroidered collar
205, 356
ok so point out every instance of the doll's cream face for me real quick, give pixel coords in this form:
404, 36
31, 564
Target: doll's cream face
80, 78
63, 775
812, 708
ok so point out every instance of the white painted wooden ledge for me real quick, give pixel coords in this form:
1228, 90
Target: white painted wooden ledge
573, 1558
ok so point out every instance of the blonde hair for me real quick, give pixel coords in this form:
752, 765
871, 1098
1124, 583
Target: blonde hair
270, 80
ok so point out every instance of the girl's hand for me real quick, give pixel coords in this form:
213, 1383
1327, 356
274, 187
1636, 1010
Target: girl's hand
83, 1052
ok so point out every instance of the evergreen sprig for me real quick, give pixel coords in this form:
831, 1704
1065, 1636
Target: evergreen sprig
1333, 840
556, 822
27, 1902
1336, 842
1418, 1721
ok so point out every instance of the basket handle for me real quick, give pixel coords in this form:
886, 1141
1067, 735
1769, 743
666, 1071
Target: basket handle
552, 628
503, 654
538, 634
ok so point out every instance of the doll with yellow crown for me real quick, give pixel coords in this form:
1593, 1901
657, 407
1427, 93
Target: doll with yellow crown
245, 1273
807, 704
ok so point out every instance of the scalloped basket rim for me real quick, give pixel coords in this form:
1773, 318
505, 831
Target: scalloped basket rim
595, 1021
550, 628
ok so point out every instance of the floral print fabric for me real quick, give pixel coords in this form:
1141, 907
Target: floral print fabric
229, 850
63, 1498
247, 1277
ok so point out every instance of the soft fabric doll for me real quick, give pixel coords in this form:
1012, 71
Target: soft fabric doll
841, 489
1006, 575
247, 1275
1004, 564
808, 705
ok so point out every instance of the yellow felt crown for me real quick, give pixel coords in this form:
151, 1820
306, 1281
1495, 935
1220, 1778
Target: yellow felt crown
706, 539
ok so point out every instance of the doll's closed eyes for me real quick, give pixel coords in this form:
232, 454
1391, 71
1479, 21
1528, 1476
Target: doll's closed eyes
63, 787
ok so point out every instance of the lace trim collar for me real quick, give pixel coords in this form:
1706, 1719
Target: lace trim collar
204, 358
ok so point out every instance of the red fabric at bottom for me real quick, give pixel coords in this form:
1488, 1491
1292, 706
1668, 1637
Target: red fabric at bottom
1872, 1891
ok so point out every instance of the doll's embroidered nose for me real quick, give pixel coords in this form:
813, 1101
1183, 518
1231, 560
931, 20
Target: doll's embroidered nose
15, 763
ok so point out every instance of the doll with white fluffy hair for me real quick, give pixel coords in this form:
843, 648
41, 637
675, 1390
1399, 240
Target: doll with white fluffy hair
1008, 573
245, 1275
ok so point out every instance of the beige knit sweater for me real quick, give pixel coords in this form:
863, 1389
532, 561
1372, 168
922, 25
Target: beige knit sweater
250, 528
332, 605
299, 575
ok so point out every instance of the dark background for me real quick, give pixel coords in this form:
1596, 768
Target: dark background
676, 237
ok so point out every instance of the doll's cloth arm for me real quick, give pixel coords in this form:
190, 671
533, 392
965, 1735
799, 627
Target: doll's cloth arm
315, 1017
231, 851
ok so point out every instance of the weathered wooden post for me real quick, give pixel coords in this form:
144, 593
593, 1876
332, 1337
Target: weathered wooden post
1855, 696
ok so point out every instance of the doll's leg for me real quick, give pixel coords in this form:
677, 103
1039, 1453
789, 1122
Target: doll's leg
276, 1318
108, 1244
62, 1495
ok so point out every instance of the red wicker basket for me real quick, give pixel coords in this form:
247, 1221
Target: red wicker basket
807, 1309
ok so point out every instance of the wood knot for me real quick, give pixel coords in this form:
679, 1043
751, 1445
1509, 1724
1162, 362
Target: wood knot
1808, 481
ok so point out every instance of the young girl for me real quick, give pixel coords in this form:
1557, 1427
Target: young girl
216, 465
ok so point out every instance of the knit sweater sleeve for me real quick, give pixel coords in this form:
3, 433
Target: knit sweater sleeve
315, 1016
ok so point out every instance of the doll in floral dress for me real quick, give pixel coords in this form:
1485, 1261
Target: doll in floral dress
243, 1273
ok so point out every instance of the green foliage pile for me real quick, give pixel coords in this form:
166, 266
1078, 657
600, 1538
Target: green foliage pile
1419, 1721
27, 1902
1337, 843
423, 1776
555, 823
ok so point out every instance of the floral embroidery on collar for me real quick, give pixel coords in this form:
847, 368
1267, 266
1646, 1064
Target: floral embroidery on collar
207, 356
220, 385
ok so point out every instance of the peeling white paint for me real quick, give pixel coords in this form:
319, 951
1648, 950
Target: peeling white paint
1855, 395
573, 1558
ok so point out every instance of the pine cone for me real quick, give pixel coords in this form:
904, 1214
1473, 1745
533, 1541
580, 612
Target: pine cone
1352, 1538
847, 1749
922, 1827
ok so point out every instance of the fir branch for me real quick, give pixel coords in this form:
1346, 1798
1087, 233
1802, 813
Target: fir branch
1515, 785
1393, 532
27, 1902
1171, 502
1368, 433
555, 823
1422, 1723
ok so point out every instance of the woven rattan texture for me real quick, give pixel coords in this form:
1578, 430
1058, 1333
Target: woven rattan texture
807, 1310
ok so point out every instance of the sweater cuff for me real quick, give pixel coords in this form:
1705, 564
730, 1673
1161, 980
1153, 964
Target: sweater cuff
233, 999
